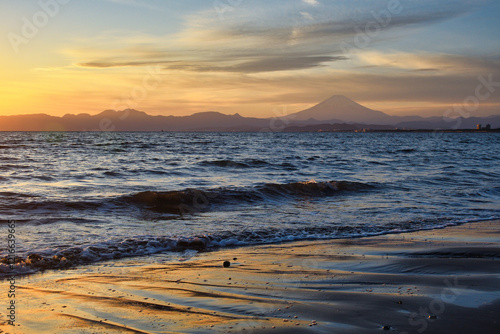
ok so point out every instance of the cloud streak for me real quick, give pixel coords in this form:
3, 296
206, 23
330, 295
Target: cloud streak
311, 2
244, 44
270, 64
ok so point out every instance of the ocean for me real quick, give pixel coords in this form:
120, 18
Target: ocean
82, 197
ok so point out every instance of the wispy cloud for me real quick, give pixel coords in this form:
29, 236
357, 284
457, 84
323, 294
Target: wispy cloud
311, 2
425, 62
260, 41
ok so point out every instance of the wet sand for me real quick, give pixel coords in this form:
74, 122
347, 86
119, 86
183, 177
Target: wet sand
438, 281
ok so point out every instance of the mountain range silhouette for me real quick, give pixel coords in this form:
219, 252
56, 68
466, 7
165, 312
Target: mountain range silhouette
335, 113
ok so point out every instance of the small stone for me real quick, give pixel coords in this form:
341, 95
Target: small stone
226, 264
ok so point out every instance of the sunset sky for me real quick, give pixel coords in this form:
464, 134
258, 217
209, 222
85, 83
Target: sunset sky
252, 57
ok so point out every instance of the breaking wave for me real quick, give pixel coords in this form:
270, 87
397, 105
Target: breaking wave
181, 202
67, 256
194, 200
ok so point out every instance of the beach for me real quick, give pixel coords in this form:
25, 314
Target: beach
434, 281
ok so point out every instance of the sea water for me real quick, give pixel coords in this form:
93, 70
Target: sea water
82, 197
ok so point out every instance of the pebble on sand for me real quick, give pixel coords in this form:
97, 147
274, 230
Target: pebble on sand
226, 264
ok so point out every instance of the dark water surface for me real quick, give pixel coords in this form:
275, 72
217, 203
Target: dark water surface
84, 197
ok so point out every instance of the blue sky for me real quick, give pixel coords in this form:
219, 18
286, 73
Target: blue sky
257, 58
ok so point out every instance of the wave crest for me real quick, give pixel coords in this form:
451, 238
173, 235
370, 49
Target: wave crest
195, 200
67, 256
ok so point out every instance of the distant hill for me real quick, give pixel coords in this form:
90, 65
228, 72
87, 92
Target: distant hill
342, 109
339, 108
337, 113
132, 120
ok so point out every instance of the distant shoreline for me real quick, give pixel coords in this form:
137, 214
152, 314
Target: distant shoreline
424, 130
283, 131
